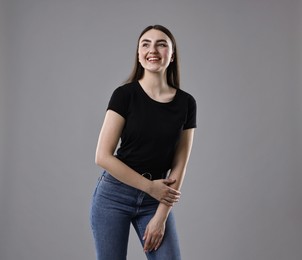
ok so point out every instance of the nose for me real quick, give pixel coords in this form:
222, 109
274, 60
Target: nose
153, 49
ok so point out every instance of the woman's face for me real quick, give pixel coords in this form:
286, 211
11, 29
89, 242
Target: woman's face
155, 51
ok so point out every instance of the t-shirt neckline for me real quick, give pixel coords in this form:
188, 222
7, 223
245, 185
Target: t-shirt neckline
153, 100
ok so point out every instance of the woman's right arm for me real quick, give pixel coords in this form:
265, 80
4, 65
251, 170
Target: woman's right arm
107, 142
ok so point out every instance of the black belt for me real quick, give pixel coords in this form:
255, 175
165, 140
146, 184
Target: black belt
150, 176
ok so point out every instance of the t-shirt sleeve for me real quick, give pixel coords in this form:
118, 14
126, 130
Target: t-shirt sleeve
119, 102
191, 114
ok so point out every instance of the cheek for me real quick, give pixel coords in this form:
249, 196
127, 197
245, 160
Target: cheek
141, 55
167, 53
140, 58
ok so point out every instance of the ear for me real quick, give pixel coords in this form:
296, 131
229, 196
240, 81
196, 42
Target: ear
172, 57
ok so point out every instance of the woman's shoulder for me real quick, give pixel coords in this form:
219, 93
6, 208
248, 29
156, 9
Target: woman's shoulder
125, 91
184, 95
127, 87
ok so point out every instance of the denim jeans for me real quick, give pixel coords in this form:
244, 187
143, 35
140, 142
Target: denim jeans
115, 206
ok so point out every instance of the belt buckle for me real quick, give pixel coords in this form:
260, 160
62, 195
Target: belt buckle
147, 175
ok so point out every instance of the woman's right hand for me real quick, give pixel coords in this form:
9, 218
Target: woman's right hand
161, 191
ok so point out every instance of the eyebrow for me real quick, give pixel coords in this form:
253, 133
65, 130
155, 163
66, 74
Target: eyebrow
147, 40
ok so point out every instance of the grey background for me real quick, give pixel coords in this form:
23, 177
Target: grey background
61, 59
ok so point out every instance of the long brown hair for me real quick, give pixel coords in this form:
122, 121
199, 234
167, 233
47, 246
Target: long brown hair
173, 68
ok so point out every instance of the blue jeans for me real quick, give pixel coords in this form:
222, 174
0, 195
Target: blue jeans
115, 206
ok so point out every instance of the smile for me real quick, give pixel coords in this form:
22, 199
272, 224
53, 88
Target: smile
153, 59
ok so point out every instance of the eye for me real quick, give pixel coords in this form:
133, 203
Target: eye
162, 45
145, 45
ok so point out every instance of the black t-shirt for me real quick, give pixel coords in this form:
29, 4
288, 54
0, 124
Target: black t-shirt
152, 129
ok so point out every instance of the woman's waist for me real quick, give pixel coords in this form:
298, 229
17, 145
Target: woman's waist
148, 170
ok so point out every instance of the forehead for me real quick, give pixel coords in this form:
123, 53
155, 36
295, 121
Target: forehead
155, 35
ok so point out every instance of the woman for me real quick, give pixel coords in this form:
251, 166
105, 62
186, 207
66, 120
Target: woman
155, 121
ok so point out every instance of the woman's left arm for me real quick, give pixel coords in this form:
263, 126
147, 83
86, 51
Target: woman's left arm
155, 229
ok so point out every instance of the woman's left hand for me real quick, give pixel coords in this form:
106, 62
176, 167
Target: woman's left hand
154, 234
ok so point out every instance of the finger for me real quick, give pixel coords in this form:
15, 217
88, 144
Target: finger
167, 203
174, 192
169, 181
153, 243
172, 198
158, 244
145, 234
147, 243
149, 246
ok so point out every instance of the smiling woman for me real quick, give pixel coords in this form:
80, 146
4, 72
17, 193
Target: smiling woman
155, 51
172, 72
155, 121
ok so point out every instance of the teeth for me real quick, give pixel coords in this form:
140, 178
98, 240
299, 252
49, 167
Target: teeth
153, 59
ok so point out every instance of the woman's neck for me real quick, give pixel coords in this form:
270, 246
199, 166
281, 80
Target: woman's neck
157, 87
154, 82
